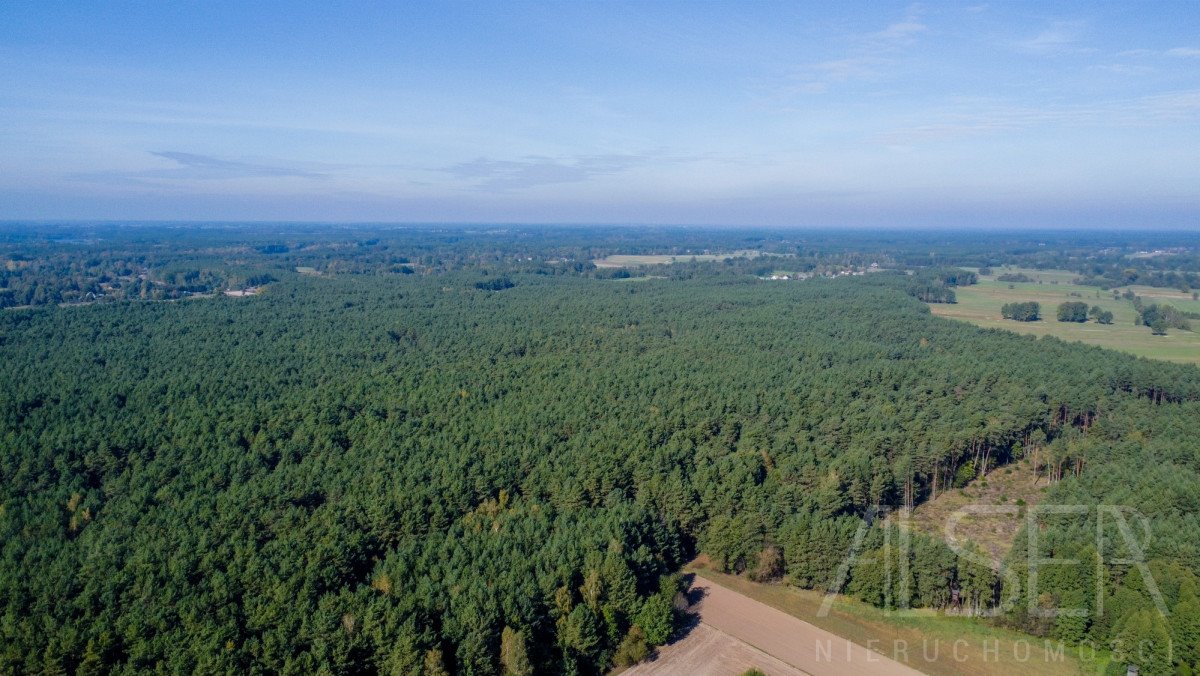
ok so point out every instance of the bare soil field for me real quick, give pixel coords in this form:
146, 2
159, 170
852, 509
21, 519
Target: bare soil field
926, 641
800, 646
705, 651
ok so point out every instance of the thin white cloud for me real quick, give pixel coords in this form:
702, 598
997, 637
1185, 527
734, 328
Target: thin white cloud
841, 70
489, 174
1061, 37
1123, 69
193, 167
869, 59
535, 170
1159, 109
902, 32
1173, 105
1177, 51
197, 166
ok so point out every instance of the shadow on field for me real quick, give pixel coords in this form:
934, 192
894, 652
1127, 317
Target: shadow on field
687, 615
686, 606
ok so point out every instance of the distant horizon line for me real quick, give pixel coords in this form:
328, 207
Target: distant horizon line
594, 224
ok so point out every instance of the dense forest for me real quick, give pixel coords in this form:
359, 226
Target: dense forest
485, 459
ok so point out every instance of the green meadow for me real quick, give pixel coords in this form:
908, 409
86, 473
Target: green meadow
980, 304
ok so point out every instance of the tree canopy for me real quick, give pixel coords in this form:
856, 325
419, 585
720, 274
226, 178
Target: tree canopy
412, 473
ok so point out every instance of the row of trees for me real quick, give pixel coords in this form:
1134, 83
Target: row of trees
1161, 317
1077, 311
1030, 311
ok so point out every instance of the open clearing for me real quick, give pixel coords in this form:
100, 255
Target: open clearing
980, 304
630, 261
1005, 487
927, 641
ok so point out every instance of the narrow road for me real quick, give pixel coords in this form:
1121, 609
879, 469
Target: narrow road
736, 633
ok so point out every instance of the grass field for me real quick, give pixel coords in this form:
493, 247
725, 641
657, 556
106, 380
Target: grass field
982, 649
980, 305
629, 261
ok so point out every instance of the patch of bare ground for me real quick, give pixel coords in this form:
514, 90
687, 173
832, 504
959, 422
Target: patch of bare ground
248, 291
705, 651
732, 632
926, 641
988, 511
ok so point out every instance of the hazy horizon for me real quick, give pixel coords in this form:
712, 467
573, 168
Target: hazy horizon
893, 115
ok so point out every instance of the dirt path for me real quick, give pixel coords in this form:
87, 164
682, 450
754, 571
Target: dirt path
781, 636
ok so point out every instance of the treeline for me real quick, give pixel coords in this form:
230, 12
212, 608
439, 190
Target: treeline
1185, 279
1015, 278
1161, 317
928, 285
1029, 311
1079, 312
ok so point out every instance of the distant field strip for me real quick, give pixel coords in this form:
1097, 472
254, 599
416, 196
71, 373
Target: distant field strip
980, 305
631, 260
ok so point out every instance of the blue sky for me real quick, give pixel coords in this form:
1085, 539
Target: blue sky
746, 113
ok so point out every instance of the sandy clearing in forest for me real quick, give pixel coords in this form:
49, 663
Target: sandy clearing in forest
749, 627
989, 513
